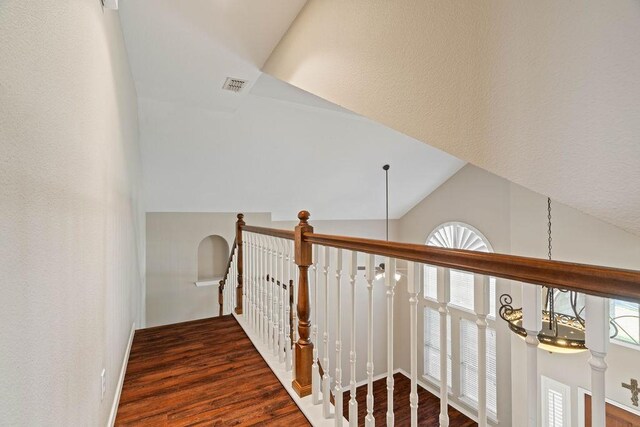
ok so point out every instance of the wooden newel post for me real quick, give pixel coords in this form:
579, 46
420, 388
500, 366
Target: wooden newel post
304, 346
239, 224
221, 297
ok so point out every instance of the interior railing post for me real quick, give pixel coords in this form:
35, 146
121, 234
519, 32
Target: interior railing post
482, 309
597, 340
304, 346
414, 284
221, 297
444, 296
239, 224
390, 282
532, 323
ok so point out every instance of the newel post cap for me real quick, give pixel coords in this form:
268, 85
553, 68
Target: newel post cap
304, 216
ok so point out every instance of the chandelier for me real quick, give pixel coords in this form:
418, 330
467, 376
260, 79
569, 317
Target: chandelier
561, 332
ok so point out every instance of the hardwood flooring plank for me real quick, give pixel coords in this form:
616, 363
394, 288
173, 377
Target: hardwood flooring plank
428, 405
204, 372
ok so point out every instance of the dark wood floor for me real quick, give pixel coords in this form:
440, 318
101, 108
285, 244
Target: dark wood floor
204, 372
428, 405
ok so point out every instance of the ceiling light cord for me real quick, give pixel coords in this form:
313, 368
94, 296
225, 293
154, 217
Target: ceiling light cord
386, 177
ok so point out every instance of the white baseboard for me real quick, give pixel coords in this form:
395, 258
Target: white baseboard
123, 370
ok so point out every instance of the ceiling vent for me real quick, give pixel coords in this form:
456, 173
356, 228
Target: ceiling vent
234, 85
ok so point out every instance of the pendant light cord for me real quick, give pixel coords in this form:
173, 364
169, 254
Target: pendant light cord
386, 177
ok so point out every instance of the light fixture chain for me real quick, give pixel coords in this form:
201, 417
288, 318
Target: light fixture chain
549, 224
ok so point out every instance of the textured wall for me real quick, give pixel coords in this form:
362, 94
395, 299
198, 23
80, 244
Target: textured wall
72, 245
514, 220
172, 263
543, 93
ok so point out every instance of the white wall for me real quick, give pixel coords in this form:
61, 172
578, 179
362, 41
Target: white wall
172, 263
514, 220
72, 246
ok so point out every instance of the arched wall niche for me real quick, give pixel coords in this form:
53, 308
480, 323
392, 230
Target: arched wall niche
213, 252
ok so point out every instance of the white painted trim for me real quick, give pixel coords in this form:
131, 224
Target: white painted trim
214, 282
581, 394
123, 370
311, 411
547, 384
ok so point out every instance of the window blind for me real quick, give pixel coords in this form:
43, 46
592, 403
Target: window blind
432, 345
556, 397
469, 364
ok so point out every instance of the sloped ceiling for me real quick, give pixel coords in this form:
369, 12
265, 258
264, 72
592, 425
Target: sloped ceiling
272, 147
544, 93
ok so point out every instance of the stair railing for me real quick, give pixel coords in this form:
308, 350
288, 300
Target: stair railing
275, 257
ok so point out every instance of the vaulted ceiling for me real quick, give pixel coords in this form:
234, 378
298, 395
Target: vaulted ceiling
270, 148
544, 93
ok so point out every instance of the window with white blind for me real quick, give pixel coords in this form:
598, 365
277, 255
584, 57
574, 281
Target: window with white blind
469, 364
556, 400
461, 320
432, 345
456, 235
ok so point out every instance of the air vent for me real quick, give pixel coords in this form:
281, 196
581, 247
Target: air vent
234, 85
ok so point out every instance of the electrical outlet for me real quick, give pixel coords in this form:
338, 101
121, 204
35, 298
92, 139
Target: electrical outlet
103, 383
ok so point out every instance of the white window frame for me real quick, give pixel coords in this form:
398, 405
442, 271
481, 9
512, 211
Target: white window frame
456, 314
617, 340
547, 384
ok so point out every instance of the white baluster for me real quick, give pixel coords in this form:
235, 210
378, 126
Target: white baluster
315, 371
232, 288
265, 289
532, 323
276, 296
245, 274
254, 286
337, 395
246, 286
287, 308
283, 285
326, 380
353, 403
370, 421
272, 272
597, 340
444, 292
249, 278
414, 284
390, 282
481, 304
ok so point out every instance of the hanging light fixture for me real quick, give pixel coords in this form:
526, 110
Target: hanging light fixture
561, 332
379, 271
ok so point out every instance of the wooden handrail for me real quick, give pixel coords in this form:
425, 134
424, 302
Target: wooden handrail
226, 271
590, 279
223, 282
274, 232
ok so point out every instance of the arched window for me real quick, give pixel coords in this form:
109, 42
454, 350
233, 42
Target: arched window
456, 235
